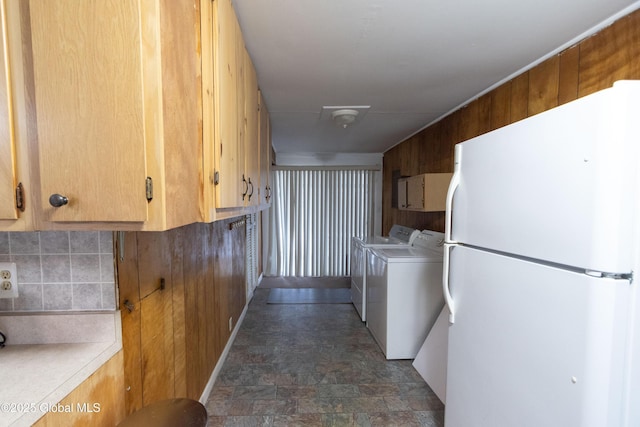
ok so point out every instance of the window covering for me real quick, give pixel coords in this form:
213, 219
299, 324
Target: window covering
314, 214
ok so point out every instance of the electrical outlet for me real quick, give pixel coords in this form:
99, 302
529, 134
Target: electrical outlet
8, 280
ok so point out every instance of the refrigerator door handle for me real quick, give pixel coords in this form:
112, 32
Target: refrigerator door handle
453, 185
445, 282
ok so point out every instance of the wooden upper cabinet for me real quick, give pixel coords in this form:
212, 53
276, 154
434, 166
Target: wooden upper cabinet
117, 99
426, 192
251, 134
241, 123
264, 138
16, 208
144, 114
229, 188
236, 171
209, 50
89, 103
8, 178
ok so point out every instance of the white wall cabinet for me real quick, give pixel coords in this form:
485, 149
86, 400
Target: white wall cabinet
425, 192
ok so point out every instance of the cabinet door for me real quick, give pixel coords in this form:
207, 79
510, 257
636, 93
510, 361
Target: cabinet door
209, 49
402, 193
16, 211
103, 387
435, 191
156, 316
7, 165
89, 106
8, 171
251, 141
129, 303
147, 317
415, 192
265, 151
240, 171
229, 186
426, 192
156, 337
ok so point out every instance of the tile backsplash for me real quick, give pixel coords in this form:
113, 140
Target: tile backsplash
60, 270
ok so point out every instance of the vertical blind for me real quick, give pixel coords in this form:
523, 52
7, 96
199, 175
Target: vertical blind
314, 214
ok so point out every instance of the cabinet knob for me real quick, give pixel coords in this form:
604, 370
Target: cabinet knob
57, 200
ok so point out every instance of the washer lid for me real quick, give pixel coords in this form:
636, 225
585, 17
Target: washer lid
402, 233
429, 239
408, 254
381, 241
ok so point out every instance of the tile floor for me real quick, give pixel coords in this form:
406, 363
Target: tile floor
315, 365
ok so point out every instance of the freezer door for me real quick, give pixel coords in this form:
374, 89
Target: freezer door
559, 186
534, 345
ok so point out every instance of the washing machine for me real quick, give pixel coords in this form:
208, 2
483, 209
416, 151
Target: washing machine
404, 294
399, 236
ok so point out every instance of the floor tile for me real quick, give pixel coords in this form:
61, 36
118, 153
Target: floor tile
315, 365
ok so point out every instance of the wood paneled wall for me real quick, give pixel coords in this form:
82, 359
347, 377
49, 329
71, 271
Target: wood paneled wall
591, 65
181, 287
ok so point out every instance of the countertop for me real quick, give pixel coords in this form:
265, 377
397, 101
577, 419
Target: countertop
35, 377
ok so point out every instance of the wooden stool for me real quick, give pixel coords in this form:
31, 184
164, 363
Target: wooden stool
168, 413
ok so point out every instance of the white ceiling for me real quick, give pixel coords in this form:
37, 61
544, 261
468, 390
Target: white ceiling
411, 60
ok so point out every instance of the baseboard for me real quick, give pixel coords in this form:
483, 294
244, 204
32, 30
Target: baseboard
223, 358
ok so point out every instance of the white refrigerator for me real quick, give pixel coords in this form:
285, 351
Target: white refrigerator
540, 269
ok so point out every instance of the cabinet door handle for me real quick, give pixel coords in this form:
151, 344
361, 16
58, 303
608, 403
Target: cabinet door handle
57, 200
251, 184
246, 188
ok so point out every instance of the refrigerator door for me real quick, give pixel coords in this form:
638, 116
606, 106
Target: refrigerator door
559, 186
534, 345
